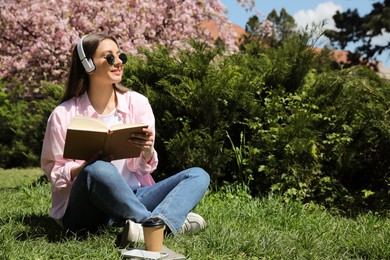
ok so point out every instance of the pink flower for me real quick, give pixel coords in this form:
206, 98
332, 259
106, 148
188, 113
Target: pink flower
37, 38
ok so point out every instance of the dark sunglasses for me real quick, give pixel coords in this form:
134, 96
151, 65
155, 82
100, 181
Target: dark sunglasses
110, 58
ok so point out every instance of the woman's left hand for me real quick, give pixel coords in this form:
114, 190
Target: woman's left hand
144, 141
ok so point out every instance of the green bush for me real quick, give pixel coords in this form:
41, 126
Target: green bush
327, 141
198, 97
355, 133
266, 119
23, 123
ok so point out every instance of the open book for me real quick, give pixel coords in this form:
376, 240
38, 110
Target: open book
86, 136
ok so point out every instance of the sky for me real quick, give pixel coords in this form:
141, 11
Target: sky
306, 12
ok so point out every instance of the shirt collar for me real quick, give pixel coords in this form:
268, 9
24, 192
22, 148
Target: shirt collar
86, 109
122, 105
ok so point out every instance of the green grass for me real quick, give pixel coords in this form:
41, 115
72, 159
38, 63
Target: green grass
238, 228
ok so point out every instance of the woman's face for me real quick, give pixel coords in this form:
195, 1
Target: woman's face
105, 72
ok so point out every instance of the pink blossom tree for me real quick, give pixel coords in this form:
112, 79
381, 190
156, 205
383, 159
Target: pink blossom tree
37, 36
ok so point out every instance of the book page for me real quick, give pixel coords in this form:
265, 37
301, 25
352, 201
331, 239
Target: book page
87, 123
127, 126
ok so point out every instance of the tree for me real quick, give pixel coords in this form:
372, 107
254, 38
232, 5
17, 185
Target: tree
271, 32
37, 36
257, 29
256, 32
247, 4
283, 26
353, 28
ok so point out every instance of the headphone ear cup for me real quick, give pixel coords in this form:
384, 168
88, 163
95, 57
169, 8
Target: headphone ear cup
88, 65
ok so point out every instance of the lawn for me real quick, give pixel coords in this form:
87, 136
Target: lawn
239, 227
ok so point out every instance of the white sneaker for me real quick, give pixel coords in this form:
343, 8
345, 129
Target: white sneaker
132, 233
193, 224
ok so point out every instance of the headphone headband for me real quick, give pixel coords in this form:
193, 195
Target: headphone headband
87, 63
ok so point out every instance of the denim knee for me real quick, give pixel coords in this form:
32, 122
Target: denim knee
201, 175
101, 170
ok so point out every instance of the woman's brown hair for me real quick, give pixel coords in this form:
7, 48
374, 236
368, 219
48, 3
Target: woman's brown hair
78, 80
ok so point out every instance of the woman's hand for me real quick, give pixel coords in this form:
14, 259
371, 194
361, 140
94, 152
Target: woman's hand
77, 170
144, 141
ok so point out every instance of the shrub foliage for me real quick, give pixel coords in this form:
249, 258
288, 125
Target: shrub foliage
22, 125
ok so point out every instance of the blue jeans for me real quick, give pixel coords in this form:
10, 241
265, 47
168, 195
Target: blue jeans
100, 196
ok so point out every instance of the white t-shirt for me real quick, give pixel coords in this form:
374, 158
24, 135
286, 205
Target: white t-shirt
114, 119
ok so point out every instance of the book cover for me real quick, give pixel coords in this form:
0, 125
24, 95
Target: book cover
86, 136
141, 253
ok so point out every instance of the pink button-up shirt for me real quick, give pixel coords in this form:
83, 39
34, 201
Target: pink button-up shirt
132, 108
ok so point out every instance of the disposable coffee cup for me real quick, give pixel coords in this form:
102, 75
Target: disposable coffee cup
154, 234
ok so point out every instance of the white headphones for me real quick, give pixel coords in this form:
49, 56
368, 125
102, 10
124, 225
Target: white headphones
87, 63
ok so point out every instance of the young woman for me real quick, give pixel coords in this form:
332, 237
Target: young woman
89, 194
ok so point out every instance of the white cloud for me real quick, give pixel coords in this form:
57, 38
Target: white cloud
323, 11
381, 39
